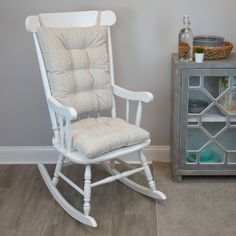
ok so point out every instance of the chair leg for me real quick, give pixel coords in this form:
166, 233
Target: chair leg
77, 215
87, 189
135, 186
147, 171
60, 162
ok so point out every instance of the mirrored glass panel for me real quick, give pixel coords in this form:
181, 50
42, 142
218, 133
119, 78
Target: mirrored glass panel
213, 127
228, 139
197, 101
212, 154
196, 139
215, 85
234, 81
228, 102
214, 115
194, 81
191, 158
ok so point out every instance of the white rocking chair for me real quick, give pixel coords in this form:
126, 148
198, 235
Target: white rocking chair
75, 57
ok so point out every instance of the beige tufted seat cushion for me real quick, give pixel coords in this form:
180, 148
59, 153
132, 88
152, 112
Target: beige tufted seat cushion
97, 136
77, 64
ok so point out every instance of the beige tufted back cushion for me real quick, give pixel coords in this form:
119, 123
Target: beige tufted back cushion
77, 64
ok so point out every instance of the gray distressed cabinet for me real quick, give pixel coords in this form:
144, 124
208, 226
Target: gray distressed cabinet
203, 117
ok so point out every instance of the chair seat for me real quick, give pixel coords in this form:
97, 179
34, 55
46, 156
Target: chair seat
96, 136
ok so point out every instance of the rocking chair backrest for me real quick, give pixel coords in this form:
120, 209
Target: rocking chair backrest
63, 80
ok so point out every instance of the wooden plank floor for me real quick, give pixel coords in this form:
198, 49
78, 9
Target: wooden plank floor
27, 207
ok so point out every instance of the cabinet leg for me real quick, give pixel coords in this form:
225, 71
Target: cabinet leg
177, 178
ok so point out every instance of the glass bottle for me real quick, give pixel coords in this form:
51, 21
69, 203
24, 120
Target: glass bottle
186, 41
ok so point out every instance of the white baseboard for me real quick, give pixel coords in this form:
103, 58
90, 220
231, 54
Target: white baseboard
48, 155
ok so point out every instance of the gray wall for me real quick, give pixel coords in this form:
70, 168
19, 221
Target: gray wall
143, 39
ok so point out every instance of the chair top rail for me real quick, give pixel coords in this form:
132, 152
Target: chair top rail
69, 19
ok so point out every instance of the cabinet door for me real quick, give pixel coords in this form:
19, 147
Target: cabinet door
208, 119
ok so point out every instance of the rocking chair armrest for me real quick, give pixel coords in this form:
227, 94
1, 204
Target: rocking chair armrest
56, 106
132, 95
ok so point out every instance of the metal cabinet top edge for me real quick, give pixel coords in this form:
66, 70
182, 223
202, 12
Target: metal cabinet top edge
227, 63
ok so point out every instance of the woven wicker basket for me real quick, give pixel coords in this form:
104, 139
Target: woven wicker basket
215, 53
